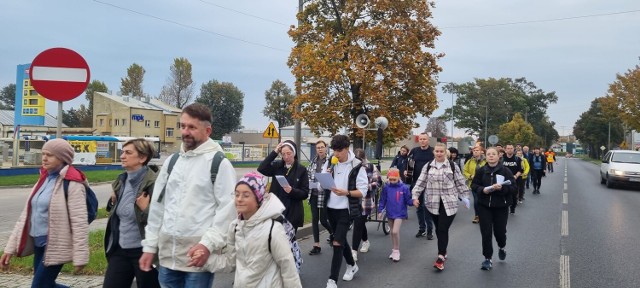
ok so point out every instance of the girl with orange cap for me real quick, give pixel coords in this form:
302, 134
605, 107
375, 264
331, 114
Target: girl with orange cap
394, 199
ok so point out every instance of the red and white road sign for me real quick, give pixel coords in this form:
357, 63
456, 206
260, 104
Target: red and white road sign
59, 74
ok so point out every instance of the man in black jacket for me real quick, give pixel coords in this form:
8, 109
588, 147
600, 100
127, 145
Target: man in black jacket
418, 157
514, 164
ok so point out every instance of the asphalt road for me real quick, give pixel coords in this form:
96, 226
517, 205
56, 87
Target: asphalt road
576, 233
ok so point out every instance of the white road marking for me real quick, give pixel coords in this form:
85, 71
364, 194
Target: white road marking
565, 272
565, 223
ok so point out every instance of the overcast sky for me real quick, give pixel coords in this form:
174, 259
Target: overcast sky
246, 43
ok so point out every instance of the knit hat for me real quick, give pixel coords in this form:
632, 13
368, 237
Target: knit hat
255, 181
61, 149
393, 172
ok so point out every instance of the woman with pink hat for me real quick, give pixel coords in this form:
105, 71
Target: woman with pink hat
64, 240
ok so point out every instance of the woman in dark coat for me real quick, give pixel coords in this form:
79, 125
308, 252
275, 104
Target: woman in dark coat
297, 177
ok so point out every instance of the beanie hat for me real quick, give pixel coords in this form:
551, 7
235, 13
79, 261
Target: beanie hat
61, 149
393, 172
255, 181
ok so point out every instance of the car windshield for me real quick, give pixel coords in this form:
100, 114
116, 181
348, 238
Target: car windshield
626, 158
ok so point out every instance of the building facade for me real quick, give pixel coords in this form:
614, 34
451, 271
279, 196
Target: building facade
130, 116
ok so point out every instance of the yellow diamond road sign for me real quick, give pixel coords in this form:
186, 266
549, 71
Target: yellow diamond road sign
271, 131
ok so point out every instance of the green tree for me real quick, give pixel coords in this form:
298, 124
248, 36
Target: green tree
516, 131
80, 117
360, 56
491, 102
279, 99
592, 129
132, 84
179, 89
226, 103
623, 98
94, 86
436, 127
8, 97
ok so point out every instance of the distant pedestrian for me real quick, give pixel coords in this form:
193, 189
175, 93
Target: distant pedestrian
394, 199
513, 163
525, 175
319, 164
442, 184
470, 168
53, 224
400, 162
538, 165
493, 208
297, 179
551, 158
527, 154
417, 158
263, 255
359, 223
129, 207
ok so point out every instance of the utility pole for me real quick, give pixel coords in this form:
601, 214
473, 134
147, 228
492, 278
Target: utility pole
297, 127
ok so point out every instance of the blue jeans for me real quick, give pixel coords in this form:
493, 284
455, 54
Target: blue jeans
178, 279
44, 276
424, 218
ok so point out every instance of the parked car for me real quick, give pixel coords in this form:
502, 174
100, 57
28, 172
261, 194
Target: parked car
620, 167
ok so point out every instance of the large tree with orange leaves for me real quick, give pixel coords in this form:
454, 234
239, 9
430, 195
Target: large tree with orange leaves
623, 99
361, 56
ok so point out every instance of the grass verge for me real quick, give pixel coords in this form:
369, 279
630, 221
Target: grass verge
97, 262
92, 176
589, 159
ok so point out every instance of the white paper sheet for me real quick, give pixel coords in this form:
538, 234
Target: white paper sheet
499, 178
326, 180
282, 180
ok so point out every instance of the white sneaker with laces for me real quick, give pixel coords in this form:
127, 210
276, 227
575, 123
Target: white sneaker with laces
354, 253
351, 270
364, 248
331, 284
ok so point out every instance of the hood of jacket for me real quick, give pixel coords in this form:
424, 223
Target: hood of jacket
271, 208
350, 159
206, 147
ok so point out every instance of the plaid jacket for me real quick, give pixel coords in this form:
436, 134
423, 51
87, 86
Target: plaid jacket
441, 184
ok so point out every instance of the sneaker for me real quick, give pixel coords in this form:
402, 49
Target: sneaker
502, 254
364, 248
439, 264
420, 234
475, 220
331, 284
429, 236
351, 270
315, 250
396, 255
354, 253
486, 264
519, 201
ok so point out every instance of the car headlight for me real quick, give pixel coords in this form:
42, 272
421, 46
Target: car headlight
616, 172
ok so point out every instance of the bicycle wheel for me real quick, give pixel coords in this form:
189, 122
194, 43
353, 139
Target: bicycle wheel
385, 224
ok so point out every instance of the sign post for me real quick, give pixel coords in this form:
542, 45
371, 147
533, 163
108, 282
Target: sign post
59, 74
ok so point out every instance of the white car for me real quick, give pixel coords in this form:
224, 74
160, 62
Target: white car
620, 166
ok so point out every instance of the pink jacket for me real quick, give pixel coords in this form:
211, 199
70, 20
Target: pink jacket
68, 238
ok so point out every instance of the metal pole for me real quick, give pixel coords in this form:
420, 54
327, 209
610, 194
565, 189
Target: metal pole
59, 129
486, 120
364, 139
609, 137
452, 105
297, 127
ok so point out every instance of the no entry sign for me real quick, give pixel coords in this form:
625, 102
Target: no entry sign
59, 74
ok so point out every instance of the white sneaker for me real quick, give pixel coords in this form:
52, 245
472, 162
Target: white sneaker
354, 253
331, 284
364, 248
351, 270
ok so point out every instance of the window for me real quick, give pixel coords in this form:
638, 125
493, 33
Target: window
26, 82
147, 135
25, 102
117, 122
156, 124
169, 132
178, 126
101, 122
33, 102
147, 123
33, 93
124, 122
25, 93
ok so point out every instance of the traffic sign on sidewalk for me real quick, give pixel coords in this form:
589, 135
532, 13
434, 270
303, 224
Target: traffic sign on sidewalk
271, 131
59, 74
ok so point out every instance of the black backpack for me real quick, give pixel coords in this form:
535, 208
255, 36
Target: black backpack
91, 200
215, 166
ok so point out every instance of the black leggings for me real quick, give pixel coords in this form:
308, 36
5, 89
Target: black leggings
442, 223
123, 267
318, 214
537, 178
339, 218
359, 231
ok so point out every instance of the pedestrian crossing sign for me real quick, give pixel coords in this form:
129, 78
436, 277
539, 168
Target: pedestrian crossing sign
271, 131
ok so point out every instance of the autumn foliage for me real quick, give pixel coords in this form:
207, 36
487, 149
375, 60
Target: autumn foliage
361, 56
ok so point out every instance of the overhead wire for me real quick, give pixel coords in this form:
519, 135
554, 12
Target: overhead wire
542, 20
246, 14
190, 26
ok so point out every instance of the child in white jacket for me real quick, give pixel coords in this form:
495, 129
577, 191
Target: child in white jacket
249, 234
